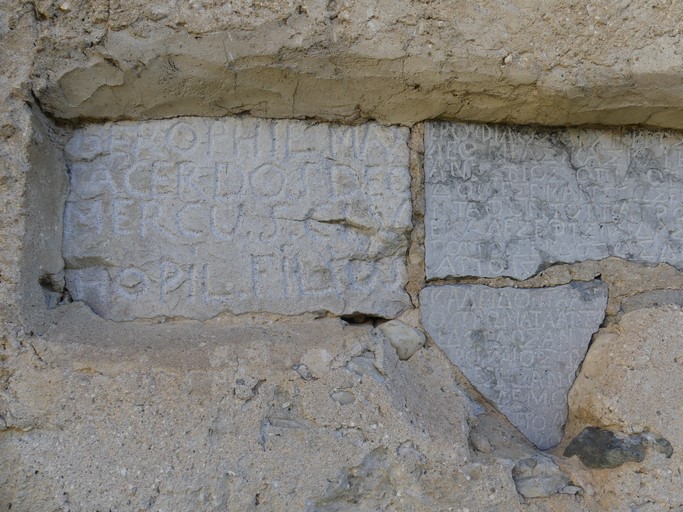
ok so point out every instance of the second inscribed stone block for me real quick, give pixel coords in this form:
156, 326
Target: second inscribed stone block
509, 201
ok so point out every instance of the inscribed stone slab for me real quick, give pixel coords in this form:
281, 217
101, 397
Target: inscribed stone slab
508, 201
192, 217
520, 348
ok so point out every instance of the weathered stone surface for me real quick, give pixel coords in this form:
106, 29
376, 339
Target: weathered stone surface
505, 201
405, 339
652, 299
17, 137
519, 348
631, 382
246, 416
538, 476
192, 217
133, 423
395, 61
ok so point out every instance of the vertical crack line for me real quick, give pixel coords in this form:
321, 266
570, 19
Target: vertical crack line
416, 250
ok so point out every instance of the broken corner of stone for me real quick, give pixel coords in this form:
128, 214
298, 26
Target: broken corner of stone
197, 271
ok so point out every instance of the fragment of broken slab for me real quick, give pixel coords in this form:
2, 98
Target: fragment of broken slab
520, 348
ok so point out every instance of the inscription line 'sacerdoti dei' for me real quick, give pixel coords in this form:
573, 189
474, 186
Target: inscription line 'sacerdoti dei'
198, 216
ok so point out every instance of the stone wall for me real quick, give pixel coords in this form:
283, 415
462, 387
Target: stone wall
284, 256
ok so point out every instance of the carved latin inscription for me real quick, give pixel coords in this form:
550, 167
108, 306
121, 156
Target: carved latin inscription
192, 217
504, 201
520, 347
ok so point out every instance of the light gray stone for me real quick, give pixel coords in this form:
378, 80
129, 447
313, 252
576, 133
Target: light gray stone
520, 347
343, 397
506, 201
538, 477
192, 217
405, 339
480, 443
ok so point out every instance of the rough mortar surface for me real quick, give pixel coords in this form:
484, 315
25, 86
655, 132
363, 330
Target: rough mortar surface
507, 201
16, 131
292, 416
192, 217
520, 348
609, 63
630, 383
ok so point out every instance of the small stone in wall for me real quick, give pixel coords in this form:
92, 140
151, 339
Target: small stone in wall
601, 448
661, 445
342, 396
538, 476
364, 365
480, 443
314, 364
246, 386
405, 339
303, 371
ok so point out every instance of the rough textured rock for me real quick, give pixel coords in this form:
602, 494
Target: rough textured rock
520, 348
630, 383
580, 62
405, 339
17, 30
601, 448
505, 201
133, 423
192, 217
538, 476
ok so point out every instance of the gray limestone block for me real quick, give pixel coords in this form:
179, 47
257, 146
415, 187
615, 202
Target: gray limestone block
192, 217
520, 348
510, 201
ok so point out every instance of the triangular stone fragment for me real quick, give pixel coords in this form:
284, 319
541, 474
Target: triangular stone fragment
520, 348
